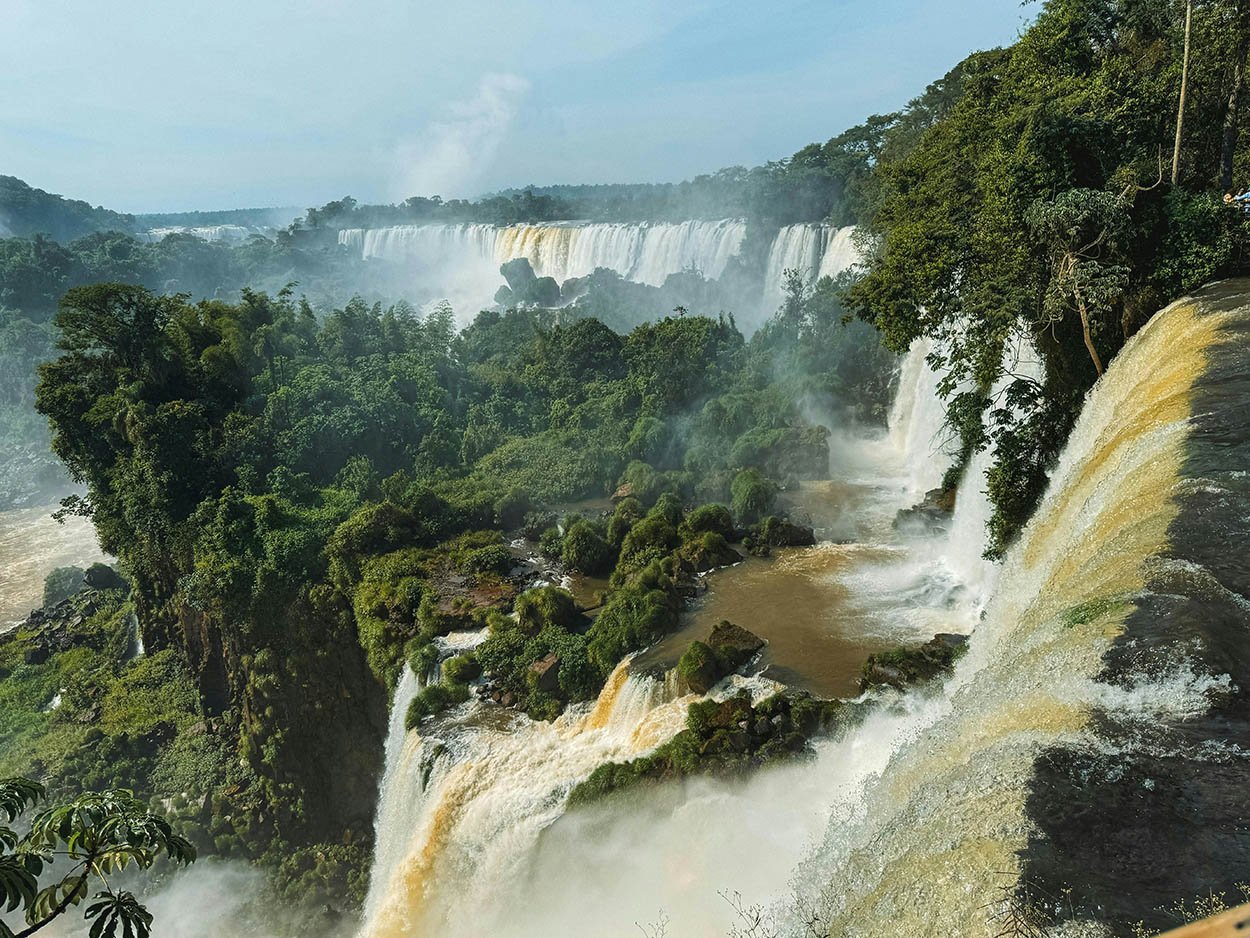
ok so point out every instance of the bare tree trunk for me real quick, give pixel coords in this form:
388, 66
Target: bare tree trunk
1180, 109
1231, 114
1089, 338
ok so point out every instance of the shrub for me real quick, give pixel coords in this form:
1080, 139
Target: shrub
628, 512
650, 539
512, 508
434, 700
62, 583
461, 669
753, 496
585, 551
551, 544
643, 482
424, 659
668, 507
546, 605
495, 559
633, 617
708, 518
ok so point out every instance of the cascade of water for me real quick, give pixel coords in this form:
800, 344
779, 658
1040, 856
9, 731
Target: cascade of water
813, 250
925, 806
962, 550
460, 805
396, 807
644, 252
917, 444
233, 234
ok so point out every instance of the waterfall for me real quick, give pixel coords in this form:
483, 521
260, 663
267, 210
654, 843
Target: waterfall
813, 250
644, 252
962, 551
231, 234
462, 804
1092, 740
916, 447
461, 261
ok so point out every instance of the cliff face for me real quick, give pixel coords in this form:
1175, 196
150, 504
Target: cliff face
314, 722
312, 716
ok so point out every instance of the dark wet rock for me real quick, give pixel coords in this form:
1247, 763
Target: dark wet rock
734, 643
723, 737
100, 576
505, 297
545, 674
545, 291
519, 274
933, 513
36, 654
728, 648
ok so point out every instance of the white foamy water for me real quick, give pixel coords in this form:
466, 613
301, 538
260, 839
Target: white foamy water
461, 261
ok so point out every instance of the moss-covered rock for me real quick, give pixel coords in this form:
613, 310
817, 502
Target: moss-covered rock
913, 664
708, 551
703, 665
728, 737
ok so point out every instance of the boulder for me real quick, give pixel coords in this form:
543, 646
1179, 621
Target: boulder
914, 664
505, 297
100, 576
729, 647
519, 274
544, 291
36, 654
734, 644
545, 674
700, 667
776, 532
932, 514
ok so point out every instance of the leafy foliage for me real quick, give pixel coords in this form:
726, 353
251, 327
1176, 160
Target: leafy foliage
97, 834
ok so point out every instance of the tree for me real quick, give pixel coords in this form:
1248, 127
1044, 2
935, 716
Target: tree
1228, 148
1082, 231
1180, 107
97, 834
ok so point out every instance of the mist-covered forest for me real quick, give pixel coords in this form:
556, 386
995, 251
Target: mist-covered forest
315, 484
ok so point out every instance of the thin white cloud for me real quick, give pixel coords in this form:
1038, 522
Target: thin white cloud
452, 154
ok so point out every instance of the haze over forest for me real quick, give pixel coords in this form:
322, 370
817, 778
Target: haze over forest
583, 469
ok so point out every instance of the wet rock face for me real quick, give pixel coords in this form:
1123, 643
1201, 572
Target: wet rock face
735, 645
545, 673
1155, 808
932, 514
729, 647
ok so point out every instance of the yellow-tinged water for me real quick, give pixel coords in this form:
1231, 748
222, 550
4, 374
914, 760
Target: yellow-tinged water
947, 816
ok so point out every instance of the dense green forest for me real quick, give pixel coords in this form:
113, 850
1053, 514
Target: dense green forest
305, 490
302, 504
1033, 191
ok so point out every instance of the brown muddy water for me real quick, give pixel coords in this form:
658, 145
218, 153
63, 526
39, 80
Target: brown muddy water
823, 610
32, 545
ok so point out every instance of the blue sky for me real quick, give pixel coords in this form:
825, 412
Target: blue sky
143, 105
